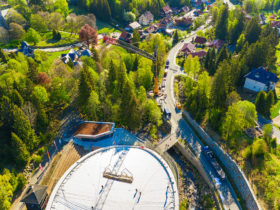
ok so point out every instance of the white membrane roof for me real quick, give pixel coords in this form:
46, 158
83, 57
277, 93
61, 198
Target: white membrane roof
84, 187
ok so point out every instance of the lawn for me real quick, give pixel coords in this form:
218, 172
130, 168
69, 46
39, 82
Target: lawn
66, 38
275, 110
105, 27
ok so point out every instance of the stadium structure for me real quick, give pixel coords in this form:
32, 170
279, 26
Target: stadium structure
117, 177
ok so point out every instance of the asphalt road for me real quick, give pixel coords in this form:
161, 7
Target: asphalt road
181, 129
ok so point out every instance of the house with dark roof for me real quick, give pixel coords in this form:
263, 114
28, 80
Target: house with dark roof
146, 18
26, 50
167, 10
188, 48
199, 40
36, 197
75, 56
200, 54
217, 43
125, 36
260, 79
184, 22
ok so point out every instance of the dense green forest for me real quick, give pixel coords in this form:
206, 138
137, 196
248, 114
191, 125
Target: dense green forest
117, 8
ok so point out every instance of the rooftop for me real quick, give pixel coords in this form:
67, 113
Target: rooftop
117, 177
261, 75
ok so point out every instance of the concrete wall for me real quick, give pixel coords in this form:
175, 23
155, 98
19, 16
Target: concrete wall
231, 166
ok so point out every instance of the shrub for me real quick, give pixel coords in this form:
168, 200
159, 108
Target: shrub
36, 159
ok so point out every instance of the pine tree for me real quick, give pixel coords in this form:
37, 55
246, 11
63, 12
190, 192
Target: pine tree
129, 107
21, 154
32, 73
252, 30
260, 102
175, 38
136, 38
112, 76
3, 56
269, 102
22, 128
223, 54
87, 84
222, 23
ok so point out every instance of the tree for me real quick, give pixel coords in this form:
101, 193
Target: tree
223, 54
61, 6
93, 106
267, 131
41, 94
56, 21
153, 112
202, 6
175, 38
22, 128
232, 98
236, 27
3, 56
136, 38
14, 17
87, 84
252, 30
261, 102
32, 36
269, 102
88, 34
240, 42
4, 35
129, 16
222, 23
129, 107
72, 23
38, 23
16, 32
21, 154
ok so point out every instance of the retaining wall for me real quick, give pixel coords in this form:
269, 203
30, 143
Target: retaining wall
231, 166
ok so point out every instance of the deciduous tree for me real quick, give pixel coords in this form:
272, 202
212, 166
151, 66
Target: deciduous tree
88, 34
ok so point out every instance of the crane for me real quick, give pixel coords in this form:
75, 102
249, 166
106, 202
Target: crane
140, 52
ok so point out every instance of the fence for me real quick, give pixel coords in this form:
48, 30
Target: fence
231, 166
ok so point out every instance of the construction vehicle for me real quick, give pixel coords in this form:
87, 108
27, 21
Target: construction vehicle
210, 156
178, 105
138, 51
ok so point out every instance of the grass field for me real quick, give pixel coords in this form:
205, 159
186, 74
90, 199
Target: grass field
105, 27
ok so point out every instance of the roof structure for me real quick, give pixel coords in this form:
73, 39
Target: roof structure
200, 40
117, 177
35, 194
134, 25
199, 54
167, 10
94, 130
261, 75
146, 17
188, 47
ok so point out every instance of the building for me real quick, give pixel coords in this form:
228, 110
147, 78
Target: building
146, 18
199, 40
260, 79
184, 22
35, 197
117, 177
125, 36
185, 9
75, 56
200, 54
217, 43
134, 25
152, 28
26, 50
167, 11
188, 48
166, 22
94, 130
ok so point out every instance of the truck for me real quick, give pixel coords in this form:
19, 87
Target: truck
167, 112
165, 73
178, 105
210, 156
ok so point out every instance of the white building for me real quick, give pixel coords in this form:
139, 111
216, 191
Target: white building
146, 18
260, 79
117, 177
134, 25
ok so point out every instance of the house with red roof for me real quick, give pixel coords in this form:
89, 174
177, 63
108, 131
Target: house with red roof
217, 43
